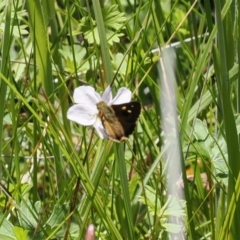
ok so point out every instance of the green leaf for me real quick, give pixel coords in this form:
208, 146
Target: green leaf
58, 215
6, 230
113, 21
20, 233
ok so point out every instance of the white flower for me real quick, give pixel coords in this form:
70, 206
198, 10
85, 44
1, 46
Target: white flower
85, 110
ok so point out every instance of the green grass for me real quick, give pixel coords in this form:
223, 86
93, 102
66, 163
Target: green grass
176, 176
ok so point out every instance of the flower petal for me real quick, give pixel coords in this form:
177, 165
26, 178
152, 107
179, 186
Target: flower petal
84, 114
124, 95
86, 95
107, 95
100, 129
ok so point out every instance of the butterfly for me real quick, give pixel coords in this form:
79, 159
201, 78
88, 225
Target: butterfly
119, 120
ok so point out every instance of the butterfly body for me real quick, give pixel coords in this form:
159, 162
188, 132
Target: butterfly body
119, 121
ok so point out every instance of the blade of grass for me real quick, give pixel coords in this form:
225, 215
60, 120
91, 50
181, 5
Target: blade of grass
5, 63
103, 42
119, 149
222, 65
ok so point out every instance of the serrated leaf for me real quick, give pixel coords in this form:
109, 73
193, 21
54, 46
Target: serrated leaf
174, 207
113, 21
79, 52
113, 18
172, 228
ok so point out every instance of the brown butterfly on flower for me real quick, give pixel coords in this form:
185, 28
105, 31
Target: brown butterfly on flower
113, 118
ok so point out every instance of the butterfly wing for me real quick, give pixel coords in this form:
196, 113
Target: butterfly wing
127, 114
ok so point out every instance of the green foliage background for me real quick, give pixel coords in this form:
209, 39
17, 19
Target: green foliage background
57, 178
